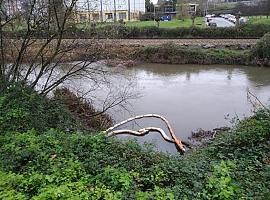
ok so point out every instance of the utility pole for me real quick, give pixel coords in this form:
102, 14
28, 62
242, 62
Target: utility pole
128, 10
154, 14
207, 6
88, 12
134, 9
101, 10
114, 16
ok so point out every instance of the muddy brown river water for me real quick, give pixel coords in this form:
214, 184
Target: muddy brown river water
192, 97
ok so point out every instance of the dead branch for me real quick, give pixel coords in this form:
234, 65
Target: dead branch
179, 144
250, 94
142, 132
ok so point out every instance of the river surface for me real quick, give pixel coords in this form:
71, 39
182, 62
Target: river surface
192, 97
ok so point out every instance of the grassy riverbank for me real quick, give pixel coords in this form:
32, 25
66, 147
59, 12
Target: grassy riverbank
175, 54
259, 54
46, 153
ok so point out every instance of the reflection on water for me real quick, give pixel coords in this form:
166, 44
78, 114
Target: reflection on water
193, 97
189, 96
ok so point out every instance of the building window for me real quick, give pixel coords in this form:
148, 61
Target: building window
192, 8
123, 16
109, 15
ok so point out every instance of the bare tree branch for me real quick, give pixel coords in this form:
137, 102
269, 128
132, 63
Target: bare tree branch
142, 132
179, 144
250, 94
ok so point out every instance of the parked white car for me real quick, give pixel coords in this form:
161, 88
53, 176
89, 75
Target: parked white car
208, 18
228, 16
232, 19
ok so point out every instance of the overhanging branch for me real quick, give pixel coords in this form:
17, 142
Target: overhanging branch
180, 145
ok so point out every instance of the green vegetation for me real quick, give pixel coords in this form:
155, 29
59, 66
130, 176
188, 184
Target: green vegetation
123, 31
262, 48
141, 31
28, 110
199, 22
259, 20
176, 54
181, 8
42, 161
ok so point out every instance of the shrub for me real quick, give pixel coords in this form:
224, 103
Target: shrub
23, 109
71, 165
82, 166
176, 54
52, 164
122, 31
220, 184
262, 48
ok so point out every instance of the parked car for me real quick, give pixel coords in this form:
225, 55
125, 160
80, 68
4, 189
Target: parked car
166, 18
228, 16
232, 19
212, 24
209, 17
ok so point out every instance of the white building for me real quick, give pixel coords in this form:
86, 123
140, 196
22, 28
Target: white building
108, 10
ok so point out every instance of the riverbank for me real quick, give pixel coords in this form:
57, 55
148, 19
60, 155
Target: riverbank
207, 51
175, 54
44, 161
78, 49
257, 54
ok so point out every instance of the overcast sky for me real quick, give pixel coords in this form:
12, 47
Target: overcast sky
154, 1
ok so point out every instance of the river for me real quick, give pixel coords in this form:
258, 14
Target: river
192, 97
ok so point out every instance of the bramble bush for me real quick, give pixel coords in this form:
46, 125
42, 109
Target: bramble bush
220, 184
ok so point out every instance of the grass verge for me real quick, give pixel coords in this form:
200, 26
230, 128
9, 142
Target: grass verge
199, 22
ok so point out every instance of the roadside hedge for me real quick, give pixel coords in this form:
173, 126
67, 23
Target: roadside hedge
125, 32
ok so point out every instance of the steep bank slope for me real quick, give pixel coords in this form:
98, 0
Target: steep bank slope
38, 162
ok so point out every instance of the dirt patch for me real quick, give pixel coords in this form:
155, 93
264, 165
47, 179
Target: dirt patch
201, 137
93, 119
121, 63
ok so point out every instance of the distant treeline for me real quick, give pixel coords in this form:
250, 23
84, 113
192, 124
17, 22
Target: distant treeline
260, 8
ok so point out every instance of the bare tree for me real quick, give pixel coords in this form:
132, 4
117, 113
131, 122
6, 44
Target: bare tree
39, 18
48, 20
261, 8
35, 57
182, 10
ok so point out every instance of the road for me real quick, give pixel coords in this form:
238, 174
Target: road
221, 22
